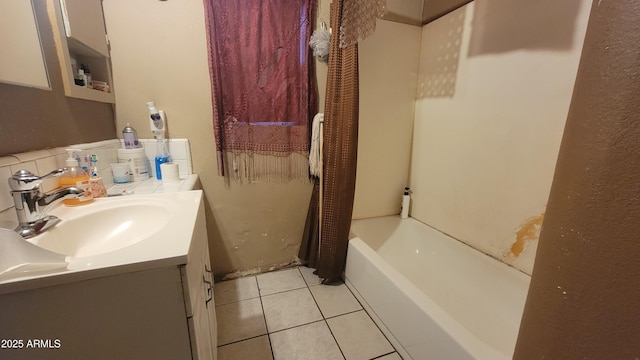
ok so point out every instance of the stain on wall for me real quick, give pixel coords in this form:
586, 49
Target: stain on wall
528, 231
483, 159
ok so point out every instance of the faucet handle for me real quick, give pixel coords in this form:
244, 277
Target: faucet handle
26, 180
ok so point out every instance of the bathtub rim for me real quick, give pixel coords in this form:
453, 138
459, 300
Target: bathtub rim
464, 338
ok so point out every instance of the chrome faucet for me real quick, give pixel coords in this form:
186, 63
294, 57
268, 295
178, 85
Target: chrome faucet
32, 204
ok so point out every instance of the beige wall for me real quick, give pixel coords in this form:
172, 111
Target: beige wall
388, 75
483, 158
159, 54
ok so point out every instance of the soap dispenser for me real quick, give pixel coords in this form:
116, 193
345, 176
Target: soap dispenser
75, 176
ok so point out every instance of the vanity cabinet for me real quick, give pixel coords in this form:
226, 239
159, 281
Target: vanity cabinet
197, 280
80, 34
162, 311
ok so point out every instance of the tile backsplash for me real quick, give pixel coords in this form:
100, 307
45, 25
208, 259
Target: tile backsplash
42, 162
178, 149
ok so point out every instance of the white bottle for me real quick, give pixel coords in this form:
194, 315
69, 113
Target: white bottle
156, 120
406, 200
82, 77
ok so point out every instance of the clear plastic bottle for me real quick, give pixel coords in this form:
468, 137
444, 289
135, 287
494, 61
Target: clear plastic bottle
162, 155
75, 176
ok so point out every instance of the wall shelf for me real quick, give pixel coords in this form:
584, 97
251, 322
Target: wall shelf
84, 39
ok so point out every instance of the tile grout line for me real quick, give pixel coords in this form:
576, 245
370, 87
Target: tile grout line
383, 355
334, 338
239, 341
295, 327
284, 291
347, 313
266, 327
238, 301
324, 319
374, 323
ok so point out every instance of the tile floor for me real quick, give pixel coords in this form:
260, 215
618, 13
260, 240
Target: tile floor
289, 315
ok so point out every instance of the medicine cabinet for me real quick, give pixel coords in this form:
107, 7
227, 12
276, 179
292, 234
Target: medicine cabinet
22, 62
80, 37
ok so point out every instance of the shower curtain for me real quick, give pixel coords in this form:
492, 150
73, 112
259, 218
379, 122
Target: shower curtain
324, 246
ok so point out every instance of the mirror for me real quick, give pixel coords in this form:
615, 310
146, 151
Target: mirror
22, 61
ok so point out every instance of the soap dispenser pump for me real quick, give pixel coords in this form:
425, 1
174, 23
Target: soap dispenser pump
75, 176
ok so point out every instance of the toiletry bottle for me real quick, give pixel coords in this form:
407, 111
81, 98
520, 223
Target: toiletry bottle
87, 74
156, 121
82, 78
130, 137
97, 185
74, 176
406, 199
162, 154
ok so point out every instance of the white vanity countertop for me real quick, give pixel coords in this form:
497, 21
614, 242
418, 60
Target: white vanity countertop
166, 245
152, 186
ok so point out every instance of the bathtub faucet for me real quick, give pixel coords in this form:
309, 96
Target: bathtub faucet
32, 204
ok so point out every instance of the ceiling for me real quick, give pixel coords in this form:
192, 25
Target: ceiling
420, 12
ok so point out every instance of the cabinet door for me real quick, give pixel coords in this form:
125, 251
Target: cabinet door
203, 324
84, 22
211, 308
198, 289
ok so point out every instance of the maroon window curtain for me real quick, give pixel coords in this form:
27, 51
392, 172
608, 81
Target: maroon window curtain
263, 86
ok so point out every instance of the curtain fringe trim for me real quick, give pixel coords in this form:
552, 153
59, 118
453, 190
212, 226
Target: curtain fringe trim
253, 167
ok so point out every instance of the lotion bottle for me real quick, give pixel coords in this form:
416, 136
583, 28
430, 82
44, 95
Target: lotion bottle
75, 176
406, 200
156, 120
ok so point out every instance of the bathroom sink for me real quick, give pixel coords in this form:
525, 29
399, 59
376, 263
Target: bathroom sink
102, 227
111, 236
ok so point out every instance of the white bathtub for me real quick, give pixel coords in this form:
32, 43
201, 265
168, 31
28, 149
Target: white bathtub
433, 296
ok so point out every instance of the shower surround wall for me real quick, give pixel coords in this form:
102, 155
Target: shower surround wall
388, 63
490, 113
